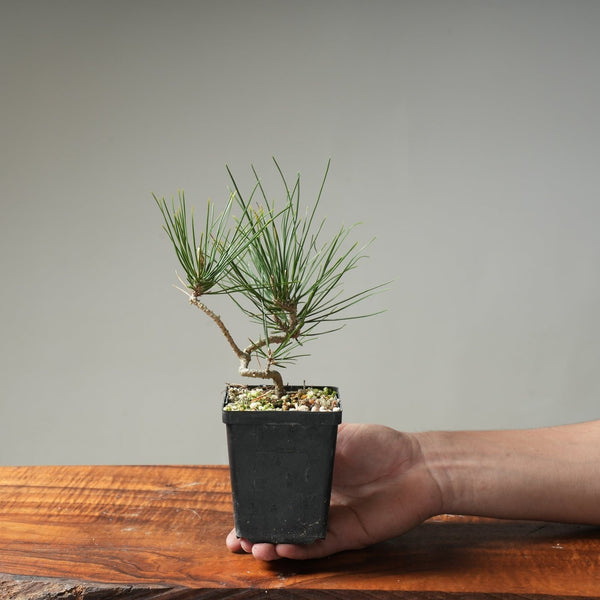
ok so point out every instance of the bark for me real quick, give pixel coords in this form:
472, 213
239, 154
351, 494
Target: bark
275, 376
246, 355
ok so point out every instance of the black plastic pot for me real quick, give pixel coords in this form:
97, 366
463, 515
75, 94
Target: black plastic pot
281, 467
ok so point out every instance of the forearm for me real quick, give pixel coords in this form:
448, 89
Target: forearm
548, 474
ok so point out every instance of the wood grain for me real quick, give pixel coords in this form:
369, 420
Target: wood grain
99, 532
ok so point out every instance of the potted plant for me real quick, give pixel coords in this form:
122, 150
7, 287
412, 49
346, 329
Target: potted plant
271, 262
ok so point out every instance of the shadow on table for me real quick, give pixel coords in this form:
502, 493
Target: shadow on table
449, 544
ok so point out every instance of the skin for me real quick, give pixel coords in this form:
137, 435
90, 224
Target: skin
386, 482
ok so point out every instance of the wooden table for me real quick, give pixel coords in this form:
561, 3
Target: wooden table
93, 532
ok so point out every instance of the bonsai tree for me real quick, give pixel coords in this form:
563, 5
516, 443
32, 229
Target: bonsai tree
271, 262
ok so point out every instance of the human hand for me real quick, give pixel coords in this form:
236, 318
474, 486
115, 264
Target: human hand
381, 488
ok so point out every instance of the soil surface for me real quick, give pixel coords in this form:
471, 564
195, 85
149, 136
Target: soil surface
243, 397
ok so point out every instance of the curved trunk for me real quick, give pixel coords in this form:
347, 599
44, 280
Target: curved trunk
274, 376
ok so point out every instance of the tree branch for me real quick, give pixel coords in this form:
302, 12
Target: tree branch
238, 352
246, 355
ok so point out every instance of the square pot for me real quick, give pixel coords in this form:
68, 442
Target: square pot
281, 465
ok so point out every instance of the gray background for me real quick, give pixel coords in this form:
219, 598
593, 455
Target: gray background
465, 135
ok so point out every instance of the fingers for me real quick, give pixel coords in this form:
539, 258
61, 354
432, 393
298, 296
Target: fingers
339, 537
318, 549
269, 552
233, 543
265, 552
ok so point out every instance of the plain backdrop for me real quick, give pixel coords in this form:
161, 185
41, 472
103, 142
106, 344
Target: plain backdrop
464, 135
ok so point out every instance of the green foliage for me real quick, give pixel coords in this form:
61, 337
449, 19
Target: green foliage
291, 278
273, 263
206, 258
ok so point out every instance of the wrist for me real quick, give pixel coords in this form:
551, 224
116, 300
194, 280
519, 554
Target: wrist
543, 474
520, 474
477, 472
436, 453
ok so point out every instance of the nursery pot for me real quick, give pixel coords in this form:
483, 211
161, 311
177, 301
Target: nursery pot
281, 465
